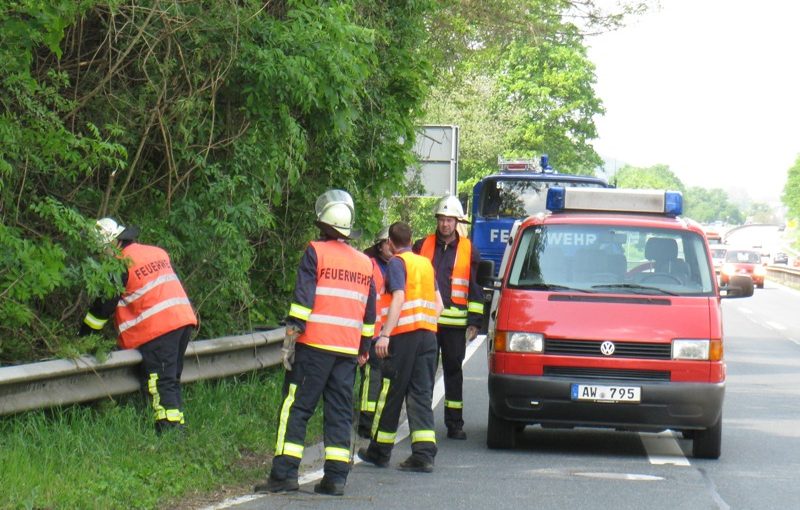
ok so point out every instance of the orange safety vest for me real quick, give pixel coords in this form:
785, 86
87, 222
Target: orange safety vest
336, 320
419, 308
154, 302
459, 280
384, 299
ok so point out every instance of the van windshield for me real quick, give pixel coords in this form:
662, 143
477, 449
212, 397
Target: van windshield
510, 198
612, 258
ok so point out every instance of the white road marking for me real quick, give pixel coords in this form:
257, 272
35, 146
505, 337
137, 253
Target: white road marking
402, 433
775, 325
662, 448
234, 501
622, 476
746, 310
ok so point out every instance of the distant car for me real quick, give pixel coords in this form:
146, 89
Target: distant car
780, 258
745, 262
713, 237
718, 256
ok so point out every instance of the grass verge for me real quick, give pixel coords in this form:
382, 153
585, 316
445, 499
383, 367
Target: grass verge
107, 455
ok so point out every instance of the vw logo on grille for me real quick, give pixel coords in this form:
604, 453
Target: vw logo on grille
607, 348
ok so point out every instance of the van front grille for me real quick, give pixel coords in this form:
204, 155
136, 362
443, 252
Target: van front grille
641, 350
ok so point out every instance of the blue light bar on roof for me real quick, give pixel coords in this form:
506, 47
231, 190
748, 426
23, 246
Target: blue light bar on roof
668, 203
555, 198
673, 203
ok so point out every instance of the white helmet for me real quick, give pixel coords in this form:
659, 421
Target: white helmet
108, 229
335, 208
450, 206
383, 235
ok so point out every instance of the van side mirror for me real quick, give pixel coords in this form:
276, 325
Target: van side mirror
739, 286
485, 274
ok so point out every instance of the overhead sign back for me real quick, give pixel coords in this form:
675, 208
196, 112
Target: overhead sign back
437, 150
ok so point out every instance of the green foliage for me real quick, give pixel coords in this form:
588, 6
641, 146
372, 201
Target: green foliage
80, 457
761, 213
551, 83
701, 204
417, 212
210, 126
515, 78
791, 190
654, 177
710, 205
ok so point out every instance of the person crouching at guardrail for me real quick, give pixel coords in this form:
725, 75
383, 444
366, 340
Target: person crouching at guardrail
329, 330
153, 315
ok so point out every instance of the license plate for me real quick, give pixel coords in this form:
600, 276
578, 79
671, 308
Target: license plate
597, 393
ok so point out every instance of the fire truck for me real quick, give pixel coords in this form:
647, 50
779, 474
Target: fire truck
606, 313
518, 190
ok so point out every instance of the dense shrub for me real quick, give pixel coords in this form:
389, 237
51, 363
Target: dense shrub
210, 125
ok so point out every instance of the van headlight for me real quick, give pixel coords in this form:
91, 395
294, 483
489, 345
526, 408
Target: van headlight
525, 342
690, 349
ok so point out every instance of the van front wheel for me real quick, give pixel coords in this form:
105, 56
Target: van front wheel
707, 444
500, 433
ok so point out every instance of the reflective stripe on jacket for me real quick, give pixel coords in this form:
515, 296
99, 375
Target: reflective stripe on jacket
154, 302
419, 308
459, 280
336, 320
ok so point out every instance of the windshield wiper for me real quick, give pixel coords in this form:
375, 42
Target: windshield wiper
634, 287
553, 286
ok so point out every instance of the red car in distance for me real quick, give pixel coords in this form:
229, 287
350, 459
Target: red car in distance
744, 262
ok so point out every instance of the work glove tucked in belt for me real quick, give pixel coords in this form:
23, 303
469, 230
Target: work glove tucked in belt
287, 351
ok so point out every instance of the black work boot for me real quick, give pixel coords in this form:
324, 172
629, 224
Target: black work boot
165, 427
416, 464
368, 455
456, 433
365, 432
329, 487
276, 485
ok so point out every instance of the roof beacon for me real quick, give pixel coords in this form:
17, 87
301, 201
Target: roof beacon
517, 165
508, 166
668, 203
544, 163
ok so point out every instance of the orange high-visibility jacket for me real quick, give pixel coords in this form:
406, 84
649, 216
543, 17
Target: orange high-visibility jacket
154, 302
336, 320
419, 308
459, 280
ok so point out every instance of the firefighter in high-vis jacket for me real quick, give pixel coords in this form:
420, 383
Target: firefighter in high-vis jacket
329, 329
153, 315
407, 344
455, 262
379, 254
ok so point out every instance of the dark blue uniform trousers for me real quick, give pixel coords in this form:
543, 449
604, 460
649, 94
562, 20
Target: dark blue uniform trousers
408, 375
316, 373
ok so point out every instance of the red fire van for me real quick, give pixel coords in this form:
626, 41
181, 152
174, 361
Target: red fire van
606, 313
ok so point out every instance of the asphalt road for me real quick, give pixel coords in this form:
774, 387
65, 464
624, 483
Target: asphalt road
600, 469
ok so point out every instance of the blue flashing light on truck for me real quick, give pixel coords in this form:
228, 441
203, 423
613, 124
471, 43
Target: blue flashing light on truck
519, 190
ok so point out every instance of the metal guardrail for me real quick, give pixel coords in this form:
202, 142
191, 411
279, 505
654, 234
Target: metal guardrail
785, 275
59, 382
53, 383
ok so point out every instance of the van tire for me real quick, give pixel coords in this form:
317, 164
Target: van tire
707, 444
500, 434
